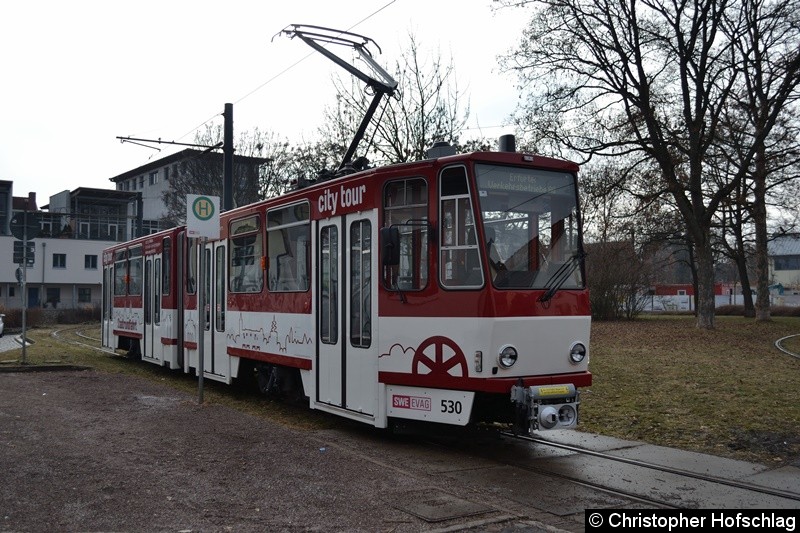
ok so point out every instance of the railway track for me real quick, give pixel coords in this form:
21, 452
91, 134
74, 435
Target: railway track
779, 345
76, 335
752, 487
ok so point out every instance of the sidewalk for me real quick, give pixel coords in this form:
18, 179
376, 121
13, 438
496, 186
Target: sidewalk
9, 342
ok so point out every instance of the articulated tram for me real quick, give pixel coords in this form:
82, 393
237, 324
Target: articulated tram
449, 290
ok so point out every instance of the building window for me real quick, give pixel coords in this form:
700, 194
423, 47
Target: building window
787, 262
90, 262
84, 294
150, 226
10, 291
59, 260
141, 182
153, 178
53, 296
47, 228
166, 173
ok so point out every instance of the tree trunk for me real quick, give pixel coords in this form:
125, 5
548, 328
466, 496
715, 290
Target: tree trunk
760, 222
740, 258
705, 286
747, 292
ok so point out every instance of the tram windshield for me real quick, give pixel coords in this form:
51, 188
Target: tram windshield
530, 222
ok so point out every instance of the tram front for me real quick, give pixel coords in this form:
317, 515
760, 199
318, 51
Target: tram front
534, 258
483, 294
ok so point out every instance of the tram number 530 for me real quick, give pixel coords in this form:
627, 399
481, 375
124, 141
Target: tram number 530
451, 406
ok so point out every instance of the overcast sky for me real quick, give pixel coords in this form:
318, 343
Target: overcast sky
77, 74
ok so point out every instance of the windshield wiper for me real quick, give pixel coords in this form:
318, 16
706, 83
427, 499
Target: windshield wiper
561, 275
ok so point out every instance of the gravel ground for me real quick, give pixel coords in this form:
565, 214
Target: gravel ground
89, 451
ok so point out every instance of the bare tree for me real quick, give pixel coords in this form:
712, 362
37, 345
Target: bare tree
765, 34
618, 280
257, 174
648, 79
427, 107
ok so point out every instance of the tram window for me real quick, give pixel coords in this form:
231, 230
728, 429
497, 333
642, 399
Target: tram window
166, 254
148, 295
329, 285
459, 262
288, 242
246, 252
135, 271
121, 274
405, 205
530, 223
157, 289
191, 267
219, 289
360, 283
207, 286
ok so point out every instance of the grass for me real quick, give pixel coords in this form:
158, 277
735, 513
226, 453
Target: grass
729, 392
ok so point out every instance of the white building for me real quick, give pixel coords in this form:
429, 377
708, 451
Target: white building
152, 180
77, 225
784, 260
67, 262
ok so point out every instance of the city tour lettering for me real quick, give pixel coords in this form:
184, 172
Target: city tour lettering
330, 200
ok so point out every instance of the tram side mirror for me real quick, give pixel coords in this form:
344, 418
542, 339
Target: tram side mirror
390, 246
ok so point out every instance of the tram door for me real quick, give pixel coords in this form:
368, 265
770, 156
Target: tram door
108, 307
215, 361
152, 349
347, 359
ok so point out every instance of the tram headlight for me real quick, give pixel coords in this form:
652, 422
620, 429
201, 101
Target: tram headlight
577, 353
507, 356
548, 417
567, 415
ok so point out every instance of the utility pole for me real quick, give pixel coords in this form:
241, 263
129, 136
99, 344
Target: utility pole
227, 151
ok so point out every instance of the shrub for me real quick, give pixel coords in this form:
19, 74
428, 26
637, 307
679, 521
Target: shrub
784, 310
86, 313
730, 310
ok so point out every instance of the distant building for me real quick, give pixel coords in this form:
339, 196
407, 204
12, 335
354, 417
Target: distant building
784, 260
151, 181
77, 225
75, 228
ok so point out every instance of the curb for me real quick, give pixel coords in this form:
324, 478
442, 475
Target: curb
41, 368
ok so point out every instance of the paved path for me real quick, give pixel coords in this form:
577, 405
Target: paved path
7, 343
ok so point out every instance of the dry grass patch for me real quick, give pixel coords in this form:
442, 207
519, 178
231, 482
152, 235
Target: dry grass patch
728, 391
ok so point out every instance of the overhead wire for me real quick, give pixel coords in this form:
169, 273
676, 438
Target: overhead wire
284, 71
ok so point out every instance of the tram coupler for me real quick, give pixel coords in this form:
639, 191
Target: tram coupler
545, 407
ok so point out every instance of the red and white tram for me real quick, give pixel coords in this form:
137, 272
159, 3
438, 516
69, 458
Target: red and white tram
449, 290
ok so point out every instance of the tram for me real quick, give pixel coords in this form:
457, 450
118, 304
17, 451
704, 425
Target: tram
449, 290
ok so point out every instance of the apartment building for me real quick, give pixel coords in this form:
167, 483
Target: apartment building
77, 225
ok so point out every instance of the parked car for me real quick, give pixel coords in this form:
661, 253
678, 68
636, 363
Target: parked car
2, 326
